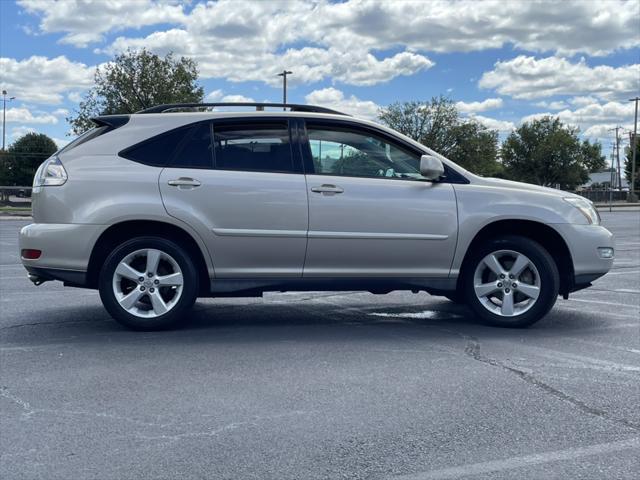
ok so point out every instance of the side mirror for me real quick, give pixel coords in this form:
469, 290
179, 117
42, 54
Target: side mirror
431, 167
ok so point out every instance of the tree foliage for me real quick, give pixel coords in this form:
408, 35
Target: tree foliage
438, 125
135, 80
23, 157
546, 152
628, 153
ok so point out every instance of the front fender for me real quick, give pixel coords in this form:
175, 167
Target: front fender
479, 206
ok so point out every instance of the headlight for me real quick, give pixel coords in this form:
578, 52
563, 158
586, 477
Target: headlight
586, 207
50, 173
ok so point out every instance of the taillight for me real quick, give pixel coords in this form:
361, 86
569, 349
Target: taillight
31, 254
51, 173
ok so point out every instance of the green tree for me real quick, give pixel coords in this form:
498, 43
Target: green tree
628, 153
135, 80
4, 167
547, 152
438, 125
24, 157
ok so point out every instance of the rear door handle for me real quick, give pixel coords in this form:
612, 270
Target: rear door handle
184, 183
327, 189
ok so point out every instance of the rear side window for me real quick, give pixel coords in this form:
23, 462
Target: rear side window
185, 147
261, 147
195, 150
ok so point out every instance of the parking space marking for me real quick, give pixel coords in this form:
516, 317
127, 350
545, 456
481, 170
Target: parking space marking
475, 469
600, 302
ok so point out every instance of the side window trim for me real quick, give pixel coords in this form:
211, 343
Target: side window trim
451, 176
296, 160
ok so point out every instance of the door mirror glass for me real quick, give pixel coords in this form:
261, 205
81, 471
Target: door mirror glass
431, 167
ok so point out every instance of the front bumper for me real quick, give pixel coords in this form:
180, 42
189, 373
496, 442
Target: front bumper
66, 249
585, 242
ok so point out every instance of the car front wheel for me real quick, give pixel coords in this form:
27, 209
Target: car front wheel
148, 283
511, 281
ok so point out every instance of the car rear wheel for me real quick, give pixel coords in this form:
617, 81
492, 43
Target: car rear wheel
511, 281
148, 283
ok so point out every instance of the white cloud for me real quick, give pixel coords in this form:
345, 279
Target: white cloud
475, 107
335, 99
582, 101
309, 64
341, 41
556, 105
503, 126
61, 142
86, 22
237, 98
24, 115
219, 96
594, 120
43, 80
529, 78
75, 97
567, 28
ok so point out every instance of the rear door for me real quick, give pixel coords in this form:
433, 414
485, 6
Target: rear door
371, 213
240, 183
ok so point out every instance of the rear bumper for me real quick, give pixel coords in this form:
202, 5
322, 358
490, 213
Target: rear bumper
64, 246
70, 278
66, 250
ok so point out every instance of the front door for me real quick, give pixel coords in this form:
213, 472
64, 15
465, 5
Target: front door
371, 213
249, 201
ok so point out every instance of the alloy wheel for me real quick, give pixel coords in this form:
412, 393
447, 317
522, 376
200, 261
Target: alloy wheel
148, 283
507, 283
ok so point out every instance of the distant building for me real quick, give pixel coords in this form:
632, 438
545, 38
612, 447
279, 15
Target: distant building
602, 180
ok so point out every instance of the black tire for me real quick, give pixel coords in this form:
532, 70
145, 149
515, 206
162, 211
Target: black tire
189, 288
544, 263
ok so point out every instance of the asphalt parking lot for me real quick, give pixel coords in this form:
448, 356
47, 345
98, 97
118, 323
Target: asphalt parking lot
321, 385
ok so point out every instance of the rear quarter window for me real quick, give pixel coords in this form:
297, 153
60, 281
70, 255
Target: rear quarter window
184, 147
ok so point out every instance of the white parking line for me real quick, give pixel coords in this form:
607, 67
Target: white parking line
475, 469
599, 302
626, 272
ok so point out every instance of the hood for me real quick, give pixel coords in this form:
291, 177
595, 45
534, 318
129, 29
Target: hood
499, 182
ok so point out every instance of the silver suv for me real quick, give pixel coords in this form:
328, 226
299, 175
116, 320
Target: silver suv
173, 203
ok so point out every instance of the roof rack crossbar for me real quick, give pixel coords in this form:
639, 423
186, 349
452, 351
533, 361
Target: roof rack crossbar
293, 107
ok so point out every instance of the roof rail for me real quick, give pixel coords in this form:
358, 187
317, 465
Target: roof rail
259, 106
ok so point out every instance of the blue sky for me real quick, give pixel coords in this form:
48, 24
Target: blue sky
503, 61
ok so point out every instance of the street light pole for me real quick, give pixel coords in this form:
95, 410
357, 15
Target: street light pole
634, 141
4, 116
284, 87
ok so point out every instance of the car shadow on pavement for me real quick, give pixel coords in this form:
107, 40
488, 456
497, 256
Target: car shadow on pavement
258, 321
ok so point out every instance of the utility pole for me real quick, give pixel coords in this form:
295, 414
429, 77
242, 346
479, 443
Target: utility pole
4, 116
611, 179
617, 147
284, 87
634, 146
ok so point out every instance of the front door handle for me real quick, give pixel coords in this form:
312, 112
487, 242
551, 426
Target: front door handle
184, 183
327, 189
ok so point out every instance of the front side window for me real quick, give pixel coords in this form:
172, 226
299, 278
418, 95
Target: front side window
263, 147
360, 154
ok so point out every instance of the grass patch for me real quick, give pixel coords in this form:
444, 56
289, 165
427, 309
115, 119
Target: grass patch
7, 209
